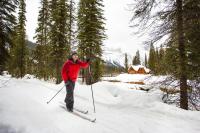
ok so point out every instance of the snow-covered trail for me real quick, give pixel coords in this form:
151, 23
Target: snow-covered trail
23, 109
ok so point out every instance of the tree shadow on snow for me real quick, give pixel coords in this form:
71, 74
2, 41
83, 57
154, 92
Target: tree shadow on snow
8, 129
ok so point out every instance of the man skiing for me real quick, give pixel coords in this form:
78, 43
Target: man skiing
70, 72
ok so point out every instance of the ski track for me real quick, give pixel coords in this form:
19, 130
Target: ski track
24, 109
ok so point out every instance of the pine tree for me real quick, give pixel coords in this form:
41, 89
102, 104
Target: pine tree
58, 35
160, 67
98, 65
145, 61
162, 64
91, 33
136, 59
7, 22
192, 26
41, 52
126, 62
171, 57
157, 62
191, 11
19, 51
161, 52
170, 23
152, 58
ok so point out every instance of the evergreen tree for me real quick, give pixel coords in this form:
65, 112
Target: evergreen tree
161, 52
98, 65
171, 57
192, 33
192, 57
145, 61
7, 22
91, 34
157, 62
152, 58
41, 52
171, 22
126, 63
19, 51
58, 35
162, 64
136, 59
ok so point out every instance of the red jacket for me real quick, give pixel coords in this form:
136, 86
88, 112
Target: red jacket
71, 69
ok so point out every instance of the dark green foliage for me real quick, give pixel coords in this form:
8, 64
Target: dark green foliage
19, 51
55, 37
7, 22
59, 47
160, 65
41, 52
126, 62
157, 60
152, 58
168, 20
171, 60
145, 61
192, 32
43, 24
97, 73
136, 59
91, 33
192, 36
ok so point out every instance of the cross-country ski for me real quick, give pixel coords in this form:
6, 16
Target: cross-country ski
76, 108
80, 114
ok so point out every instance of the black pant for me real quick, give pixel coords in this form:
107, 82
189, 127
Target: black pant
69, 99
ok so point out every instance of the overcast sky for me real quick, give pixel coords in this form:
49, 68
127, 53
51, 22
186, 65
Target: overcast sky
120, 35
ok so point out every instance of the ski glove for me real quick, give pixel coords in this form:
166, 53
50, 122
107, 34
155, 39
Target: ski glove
88, 60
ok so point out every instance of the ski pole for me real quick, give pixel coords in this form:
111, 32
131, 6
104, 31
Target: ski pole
55, 95
92, 90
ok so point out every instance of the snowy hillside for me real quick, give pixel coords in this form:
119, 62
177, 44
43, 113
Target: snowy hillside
23, 109
115, 57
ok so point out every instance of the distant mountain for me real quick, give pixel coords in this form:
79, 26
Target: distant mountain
112, 57
31, 45
115, 57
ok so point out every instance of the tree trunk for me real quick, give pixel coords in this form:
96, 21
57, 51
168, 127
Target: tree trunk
70, 24
181, 46
57, 72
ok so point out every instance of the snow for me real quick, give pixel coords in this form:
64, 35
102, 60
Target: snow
23, 109
129, 77
148, 79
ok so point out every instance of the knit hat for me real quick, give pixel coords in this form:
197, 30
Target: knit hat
74, 53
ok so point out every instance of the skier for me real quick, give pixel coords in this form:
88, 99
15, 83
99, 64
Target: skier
70, 72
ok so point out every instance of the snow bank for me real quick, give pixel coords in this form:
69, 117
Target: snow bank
128, 77
148, 79
23, 109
